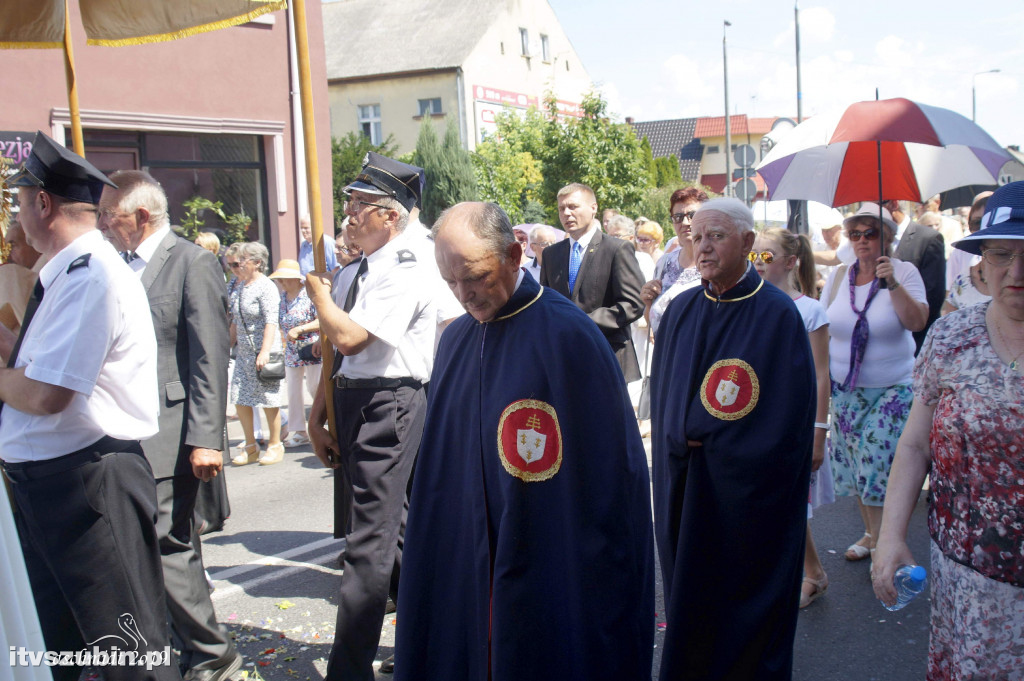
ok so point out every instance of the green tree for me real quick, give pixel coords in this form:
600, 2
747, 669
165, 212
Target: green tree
597, 152
509, 178
666, 172
649, 161
449, 169
347, 154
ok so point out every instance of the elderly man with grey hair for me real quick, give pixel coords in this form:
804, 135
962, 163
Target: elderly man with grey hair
188, 302
732, 408
541, 236
382, 319
508, 507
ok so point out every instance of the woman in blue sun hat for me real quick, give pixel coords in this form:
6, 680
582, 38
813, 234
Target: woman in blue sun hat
965, 431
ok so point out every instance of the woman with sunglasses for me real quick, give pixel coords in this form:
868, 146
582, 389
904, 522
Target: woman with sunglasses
675, 271
964, 432
873, 307
786, 260
255, 307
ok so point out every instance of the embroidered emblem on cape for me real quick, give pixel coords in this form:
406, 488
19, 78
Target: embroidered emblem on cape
730, 389
530, 440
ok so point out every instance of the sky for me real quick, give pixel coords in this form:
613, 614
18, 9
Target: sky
660, 59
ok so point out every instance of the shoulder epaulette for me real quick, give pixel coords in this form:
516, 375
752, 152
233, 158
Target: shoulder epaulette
406, 255
80, 261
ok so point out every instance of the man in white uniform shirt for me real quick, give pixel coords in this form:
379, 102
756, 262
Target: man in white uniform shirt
79, 393
382, 319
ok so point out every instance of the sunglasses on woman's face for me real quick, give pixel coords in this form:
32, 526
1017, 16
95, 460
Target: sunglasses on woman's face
767, 257
870, 234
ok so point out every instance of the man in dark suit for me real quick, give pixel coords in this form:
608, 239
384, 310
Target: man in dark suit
925, 248
188, 301
597, 272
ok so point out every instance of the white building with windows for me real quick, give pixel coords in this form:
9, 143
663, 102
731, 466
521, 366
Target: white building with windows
391, 65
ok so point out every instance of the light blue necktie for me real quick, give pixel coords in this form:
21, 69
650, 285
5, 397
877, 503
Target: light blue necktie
575, 258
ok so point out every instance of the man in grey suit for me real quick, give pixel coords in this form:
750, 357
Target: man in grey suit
188, 301
597, 272
925, 249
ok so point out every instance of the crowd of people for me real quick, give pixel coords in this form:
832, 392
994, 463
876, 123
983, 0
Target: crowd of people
531, 483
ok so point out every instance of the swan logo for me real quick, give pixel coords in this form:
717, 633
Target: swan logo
126, 622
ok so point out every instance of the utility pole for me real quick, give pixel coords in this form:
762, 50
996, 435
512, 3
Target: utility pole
728, 130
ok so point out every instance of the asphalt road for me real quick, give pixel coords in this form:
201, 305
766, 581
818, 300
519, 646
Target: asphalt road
276, 577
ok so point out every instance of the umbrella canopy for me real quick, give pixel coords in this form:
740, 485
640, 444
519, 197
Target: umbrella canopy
918, 150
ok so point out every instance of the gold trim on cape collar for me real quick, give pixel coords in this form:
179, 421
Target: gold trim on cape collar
513, 314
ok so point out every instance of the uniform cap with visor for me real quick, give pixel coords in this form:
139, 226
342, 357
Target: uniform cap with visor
60, 172
383, 176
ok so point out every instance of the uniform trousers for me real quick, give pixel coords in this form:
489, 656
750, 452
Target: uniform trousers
379, 431
193, 623
87, 528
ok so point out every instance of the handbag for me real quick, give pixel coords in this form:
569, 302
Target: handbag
273, 370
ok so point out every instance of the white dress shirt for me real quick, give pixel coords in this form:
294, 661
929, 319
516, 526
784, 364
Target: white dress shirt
93, 334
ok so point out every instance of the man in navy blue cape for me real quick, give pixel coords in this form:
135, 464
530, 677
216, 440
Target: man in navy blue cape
529, 546
732, 409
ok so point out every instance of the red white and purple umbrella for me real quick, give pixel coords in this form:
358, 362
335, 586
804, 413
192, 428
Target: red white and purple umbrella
922, 150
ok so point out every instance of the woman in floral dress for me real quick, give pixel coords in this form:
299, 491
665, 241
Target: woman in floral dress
300, 328
873, 306
965, 430
255, 305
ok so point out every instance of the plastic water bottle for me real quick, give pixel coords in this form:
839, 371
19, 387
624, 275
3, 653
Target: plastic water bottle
909, 582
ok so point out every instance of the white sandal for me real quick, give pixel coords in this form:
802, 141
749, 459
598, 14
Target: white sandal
855, 552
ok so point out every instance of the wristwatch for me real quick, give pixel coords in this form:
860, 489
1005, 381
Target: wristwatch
893, 285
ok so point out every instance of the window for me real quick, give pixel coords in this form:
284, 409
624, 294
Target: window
713, 149
369, 123
524, 41
430, 107
220, 167
545, 49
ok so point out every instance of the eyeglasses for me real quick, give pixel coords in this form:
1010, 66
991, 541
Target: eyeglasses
238, 263
539, 244
679, 217
355, 205
767, 257
1000, 257
110, 213
644, 240
870, 234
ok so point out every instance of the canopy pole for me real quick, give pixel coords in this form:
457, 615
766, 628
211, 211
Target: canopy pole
313, 178
78, 141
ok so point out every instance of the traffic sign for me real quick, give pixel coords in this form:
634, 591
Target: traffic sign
745, 155
745, 189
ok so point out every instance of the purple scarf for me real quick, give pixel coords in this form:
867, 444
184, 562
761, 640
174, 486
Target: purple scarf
859, 341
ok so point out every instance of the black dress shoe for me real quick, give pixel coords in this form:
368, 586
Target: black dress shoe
387, 666
222, 673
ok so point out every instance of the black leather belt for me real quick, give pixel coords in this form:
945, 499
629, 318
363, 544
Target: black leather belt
35, 470
344, 383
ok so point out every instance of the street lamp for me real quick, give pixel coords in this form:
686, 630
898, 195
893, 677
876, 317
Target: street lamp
974, 99
728, 131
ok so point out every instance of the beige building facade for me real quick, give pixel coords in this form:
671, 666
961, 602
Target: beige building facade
446, 60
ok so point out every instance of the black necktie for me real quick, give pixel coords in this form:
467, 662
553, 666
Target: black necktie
30, 311
350, 302
353, 289
129, 256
